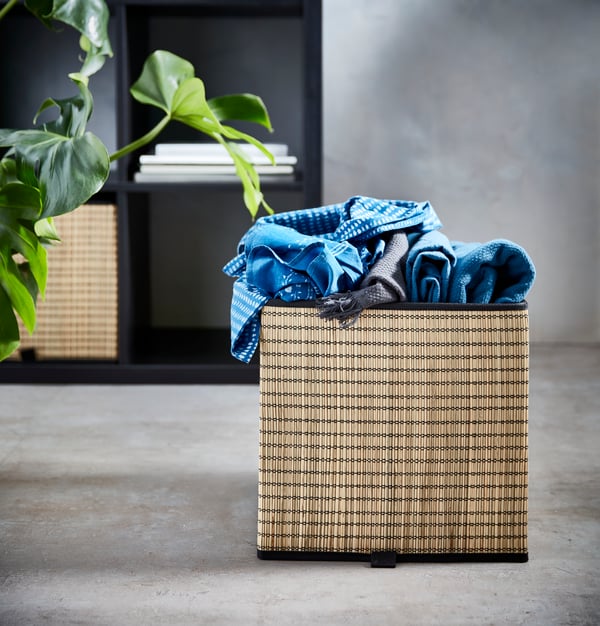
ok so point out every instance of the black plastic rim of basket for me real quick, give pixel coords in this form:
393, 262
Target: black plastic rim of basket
417, 306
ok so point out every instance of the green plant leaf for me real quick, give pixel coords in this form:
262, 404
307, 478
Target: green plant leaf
45, 229
234, 133
19, 209
169, 83
66, 163
78, 169
20, 283
73, 113
161, 76
246, 172
9, 328
17, 291
20, 202
27, 278
242, 107
8, 171
189, 107
88, 17
11, 172
37, 264
69, 170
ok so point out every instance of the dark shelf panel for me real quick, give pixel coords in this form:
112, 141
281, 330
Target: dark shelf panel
217, 7
191, 346
113, 185
94, 372
160, 355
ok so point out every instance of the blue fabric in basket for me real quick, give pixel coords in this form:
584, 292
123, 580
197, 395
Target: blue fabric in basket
497, 271
429, 265
302, 255
285, 263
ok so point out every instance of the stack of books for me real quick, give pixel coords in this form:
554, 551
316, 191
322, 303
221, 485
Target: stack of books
210, 162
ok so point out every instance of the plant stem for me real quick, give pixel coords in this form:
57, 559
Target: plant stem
142, 141
7, 7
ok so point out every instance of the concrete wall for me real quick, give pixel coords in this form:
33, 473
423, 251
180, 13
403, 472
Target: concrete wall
490, 109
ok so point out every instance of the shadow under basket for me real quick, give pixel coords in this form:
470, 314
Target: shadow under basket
403, 437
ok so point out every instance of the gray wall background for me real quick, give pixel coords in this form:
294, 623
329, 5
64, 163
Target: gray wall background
489, 109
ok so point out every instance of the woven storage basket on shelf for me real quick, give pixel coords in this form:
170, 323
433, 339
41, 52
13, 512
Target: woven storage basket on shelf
405, 434
78, 319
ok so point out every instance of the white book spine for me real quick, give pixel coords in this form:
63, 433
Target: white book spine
207, 159
144, 177
153, 168
277, 149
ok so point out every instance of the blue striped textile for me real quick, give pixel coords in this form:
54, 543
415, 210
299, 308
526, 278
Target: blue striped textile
306, 254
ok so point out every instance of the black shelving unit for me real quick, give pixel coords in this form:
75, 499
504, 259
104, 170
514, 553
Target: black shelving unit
173, 239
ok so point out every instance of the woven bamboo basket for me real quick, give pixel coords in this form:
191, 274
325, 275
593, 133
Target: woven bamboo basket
403, 436
78, 318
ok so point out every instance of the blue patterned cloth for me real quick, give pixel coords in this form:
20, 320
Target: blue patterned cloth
497, 271
306, 254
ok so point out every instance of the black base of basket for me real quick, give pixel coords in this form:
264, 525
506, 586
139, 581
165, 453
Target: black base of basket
386, 559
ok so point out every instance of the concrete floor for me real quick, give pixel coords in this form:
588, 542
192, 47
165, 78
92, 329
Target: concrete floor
137, 506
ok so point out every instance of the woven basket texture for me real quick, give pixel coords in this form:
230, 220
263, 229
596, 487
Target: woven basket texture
406, 432
78, 318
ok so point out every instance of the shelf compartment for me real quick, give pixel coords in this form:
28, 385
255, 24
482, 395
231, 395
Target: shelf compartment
233, 52
192, 346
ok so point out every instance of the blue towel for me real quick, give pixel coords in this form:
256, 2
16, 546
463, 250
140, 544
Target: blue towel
498, 271
345, 237
283, 263
428, 267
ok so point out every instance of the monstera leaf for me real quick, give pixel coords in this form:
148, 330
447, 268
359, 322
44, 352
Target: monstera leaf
64, 161
20, 282
169, 83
